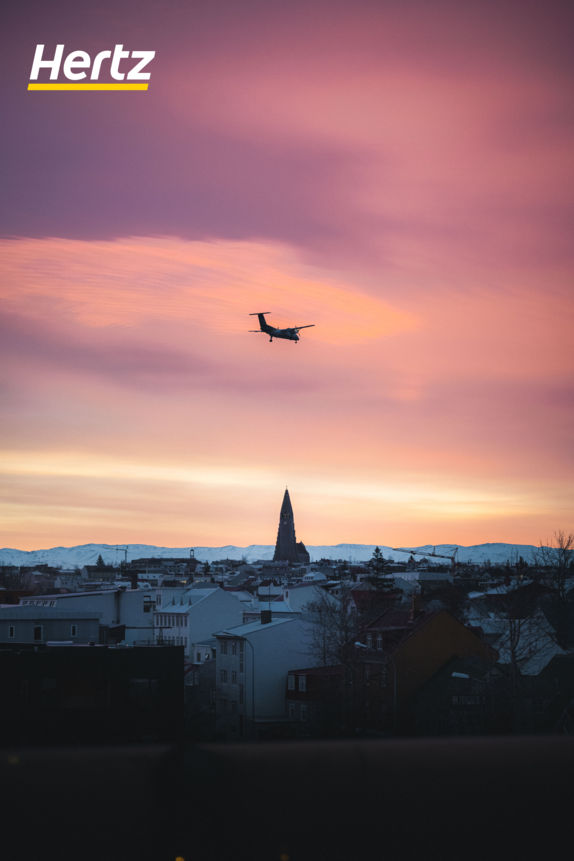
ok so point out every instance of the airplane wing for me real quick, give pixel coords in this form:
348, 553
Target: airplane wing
310, 326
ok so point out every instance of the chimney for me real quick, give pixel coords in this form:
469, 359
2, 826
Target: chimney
415, 605
266, 617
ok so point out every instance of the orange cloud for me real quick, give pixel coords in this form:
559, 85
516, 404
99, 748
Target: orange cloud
214, 285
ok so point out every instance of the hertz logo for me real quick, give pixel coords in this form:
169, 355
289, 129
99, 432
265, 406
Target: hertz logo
81, 60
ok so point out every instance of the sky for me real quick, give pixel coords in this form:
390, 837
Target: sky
399, 174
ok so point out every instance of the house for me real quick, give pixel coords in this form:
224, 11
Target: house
125, 614
36, 625
311, 702
193, 615
253, 661
450, 706
403, 650
200, 688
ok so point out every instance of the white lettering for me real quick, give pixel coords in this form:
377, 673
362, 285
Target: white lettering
136, 73
118, 55
83, 62
103, 55
39, 63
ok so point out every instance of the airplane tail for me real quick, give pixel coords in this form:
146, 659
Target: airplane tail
260, 316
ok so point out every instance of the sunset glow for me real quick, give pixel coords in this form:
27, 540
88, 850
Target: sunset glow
399, 175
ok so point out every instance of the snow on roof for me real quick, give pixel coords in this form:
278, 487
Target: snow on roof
182, 603
34, 611
252, 628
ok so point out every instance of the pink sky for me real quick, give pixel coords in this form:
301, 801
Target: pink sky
398, 174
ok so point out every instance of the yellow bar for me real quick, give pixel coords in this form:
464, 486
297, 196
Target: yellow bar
88, 86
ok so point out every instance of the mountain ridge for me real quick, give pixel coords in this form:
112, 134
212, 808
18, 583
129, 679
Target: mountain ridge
87, 554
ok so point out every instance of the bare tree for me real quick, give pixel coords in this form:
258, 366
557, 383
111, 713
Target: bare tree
337, 625
13, 578
555, 563
525, 642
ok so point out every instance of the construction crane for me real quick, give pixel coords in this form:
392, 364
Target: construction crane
124, 550
452, 558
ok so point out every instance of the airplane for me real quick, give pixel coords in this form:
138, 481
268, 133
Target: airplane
288, 334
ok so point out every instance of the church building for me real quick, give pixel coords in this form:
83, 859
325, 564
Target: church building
288, 548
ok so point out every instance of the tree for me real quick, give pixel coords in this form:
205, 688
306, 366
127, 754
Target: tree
380, 577
555, 562
336, 625
16, 579
100, 563
525, 642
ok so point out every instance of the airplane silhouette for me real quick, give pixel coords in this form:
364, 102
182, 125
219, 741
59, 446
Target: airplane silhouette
291, 334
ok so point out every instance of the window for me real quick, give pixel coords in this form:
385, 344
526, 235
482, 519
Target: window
240, 695
303, 712
37, 633
234, 648
158, 599
224, 647
233, 707
223, 675
383, 678
11, 631
291, 682
367, 672
198, 656
233, 678
369, 641
241, 648
379, 642
291, 711
302, 683
74, 631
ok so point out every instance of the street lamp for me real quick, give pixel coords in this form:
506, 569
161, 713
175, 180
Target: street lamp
388, 659
245, 640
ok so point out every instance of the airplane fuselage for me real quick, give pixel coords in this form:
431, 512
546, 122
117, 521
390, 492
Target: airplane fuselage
291, 334
287, 334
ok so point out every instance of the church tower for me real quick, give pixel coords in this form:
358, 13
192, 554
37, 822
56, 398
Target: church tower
287, 548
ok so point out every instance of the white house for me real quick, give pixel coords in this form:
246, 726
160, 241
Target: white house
39, 624
252, 663
194, 615
126, 614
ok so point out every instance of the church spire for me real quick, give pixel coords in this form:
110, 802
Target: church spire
286, 508
287, 549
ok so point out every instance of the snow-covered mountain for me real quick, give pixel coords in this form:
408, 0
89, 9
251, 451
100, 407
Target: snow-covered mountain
87, 554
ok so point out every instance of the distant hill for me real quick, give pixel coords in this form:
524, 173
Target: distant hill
87, 554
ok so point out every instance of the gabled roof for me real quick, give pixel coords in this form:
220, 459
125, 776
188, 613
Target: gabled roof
252, 628
396, 618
